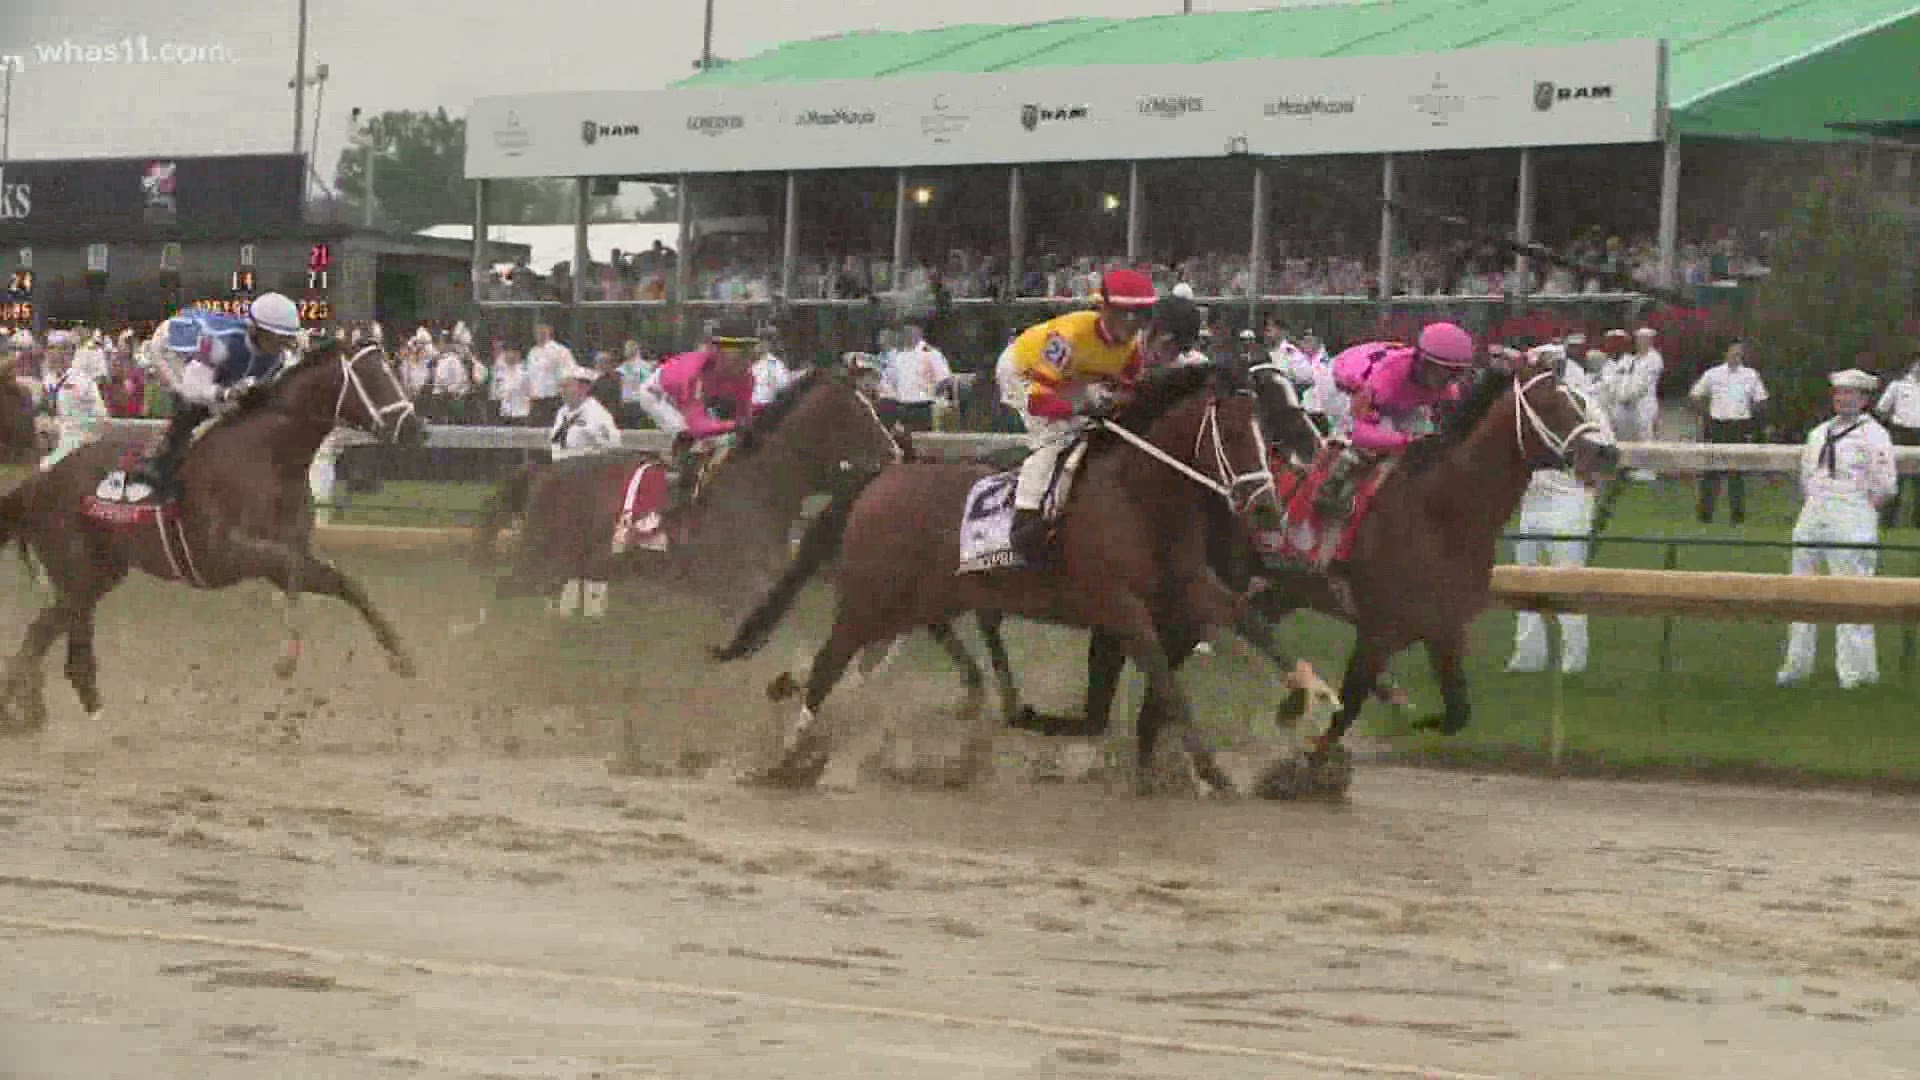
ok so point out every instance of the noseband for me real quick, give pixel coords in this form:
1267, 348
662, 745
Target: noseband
1560, 446
350, 380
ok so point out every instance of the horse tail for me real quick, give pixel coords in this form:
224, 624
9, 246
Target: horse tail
507, 503
817, 548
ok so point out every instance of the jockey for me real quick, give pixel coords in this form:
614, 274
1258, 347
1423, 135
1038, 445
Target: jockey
1072, 368
1392, 388
701, 397
224, 358
71, 397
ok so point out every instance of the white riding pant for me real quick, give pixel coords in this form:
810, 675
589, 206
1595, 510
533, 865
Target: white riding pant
197, 386
662, 411
1845, 520
1563, 513
1047, 439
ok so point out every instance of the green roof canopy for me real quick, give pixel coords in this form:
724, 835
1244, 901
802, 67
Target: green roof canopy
1757, 69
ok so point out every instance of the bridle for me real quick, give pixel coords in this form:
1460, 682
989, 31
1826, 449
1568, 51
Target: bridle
1280, 378
1560, 446
1240, 490
350, 380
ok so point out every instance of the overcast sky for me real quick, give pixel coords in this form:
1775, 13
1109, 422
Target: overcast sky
391, 54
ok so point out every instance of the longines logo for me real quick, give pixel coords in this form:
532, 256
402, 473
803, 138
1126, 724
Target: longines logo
1546, 93
1032, 116
943, 123
592, 131
715, 125
1170, 108
1294, 108
513, 139
16, 200
836, 118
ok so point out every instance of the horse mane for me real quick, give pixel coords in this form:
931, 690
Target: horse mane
1161, 389
763, 423
1486, 392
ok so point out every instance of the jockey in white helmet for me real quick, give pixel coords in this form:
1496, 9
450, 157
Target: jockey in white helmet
224, 357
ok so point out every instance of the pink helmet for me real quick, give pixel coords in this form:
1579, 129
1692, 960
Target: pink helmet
1447, 345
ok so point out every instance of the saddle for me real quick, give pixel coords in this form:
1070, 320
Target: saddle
1321, 508
986, 524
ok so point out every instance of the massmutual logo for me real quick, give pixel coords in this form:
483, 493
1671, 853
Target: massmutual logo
1032, 116
716, 125
1170, 107
16, 200
512, 138
836, 118
1296, 108
592, 131
1546, 93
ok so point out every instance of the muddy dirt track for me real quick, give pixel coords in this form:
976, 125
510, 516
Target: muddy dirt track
351, 876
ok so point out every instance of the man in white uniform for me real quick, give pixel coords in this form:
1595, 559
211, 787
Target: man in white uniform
547, 361
1731, 394
583, 426
1556, 504
1846, 473
71, 398
916, 375
1899, 408
1633, 389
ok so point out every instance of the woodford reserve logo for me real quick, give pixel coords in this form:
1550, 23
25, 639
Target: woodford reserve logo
715, 125
16, 200
1170, 108
836, 118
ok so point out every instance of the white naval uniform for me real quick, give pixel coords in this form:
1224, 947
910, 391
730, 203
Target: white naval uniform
579, 430
78, 411
321, 475
1840, 492
1556, 503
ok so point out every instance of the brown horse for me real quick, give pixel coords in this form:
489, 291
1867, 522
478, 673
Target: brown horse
243, 513
19, 441
1131, 557
1421, 565
819, 432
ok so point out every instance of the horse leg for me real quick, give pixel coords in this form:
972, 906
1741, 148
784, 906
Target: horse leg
978, 748
289, 612
1444, 654
1141, 641
298, 571
1106, 659
990, 623
806, 750
24, 692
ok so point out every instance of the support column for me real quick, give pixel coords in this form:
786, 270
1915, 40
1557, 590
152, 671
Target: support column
482, 264
1389, 221
581, 202
683, 259
790, 240
1670, 210
899, 227
1016, 231
1136, 212
1523, 223
1257, 261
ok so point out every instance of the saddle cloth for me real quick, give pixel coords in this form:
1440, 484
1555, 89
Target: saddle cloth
647, 490
1304, 538
123, 502
986, 525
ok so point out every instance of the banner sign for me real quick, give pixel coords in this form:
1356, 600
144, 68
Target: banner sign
1606, 93
162, 198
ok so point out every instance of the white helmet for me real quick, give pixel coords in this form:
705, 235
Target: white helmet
275, 314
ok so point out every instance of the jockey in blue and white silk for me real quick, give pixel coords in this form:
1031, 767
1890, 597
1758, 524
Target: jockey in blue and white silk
224, 357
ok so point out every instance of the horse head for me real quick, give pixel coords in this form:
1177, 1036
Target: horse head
18, 440
1558, 427
825, 421
1283, 418
1202, 421
350, 385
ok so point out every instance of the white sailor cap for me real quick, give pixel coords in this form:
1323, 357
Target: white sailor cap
1854, 379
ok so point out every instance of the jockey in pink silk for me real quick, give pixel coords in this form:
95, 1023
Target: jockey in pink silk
685, 392
1393, 385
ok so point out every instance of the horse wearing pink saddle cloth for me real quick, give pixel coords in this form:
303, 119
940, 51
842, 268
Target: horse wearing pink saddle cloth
1393, 384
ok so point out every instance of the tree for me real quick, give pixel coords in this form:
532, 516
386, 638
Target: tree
1837, 289
420, 179
664, 207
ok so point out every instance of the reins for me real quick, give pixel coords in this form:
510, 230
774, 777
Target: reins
1261, 479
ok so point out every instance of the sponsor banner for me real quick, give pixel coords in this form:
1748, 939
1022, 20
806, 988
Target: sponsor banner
1606, 93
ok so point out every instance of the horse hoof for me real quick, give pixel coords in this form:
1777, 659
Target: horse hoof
403, 666
1332, 774
1289, 778
783, 686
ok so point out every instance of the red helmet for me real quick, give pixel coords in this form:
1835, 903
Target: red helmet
1127, 289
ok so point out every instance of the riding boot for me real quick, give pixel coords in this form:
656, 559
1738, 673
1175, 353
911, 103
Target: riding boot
1029, 536
162, 469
